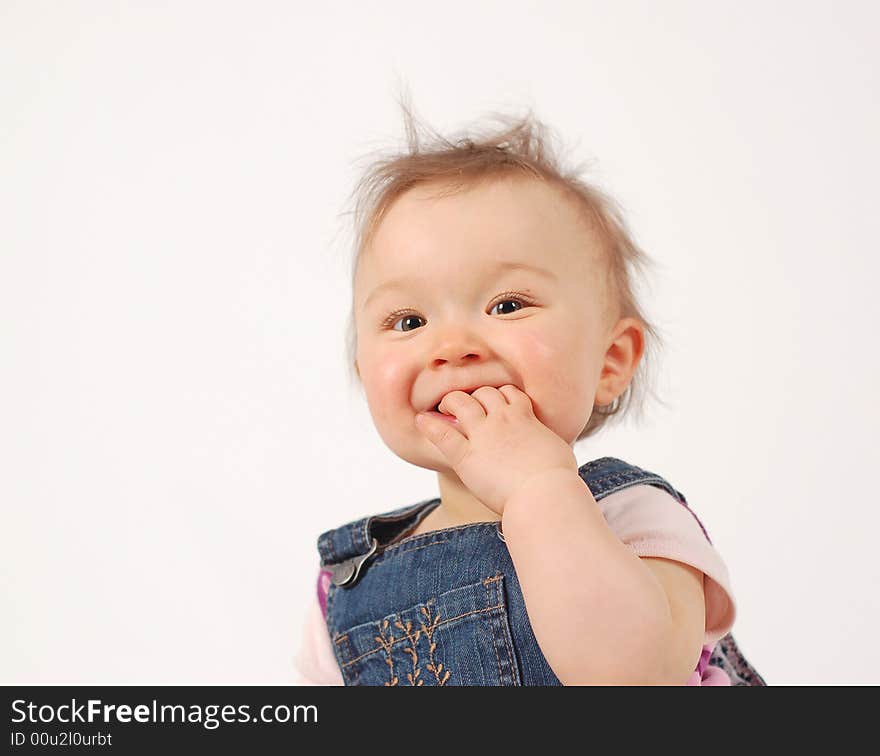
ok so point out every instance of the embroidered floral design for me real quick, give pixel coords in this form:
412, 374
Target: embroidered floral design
386, 640
386, 643
437, 669
413, 639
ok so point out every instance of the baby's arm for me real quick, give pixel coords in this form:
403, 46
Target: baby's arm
601, 614
683, 585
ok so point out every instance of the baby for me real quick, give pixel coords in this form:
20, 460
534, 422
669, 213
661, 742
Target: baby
495, 326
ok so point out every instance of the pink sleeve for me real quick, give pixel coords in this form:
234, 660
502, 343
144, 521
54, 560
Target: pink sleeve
655, 524
315, 663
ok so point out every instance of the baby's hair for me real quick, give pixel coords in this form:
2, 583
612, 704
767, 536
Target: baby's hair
520, 147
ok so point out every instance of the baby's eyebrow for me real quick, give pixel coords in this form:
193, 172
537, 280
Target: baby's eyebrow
501, 265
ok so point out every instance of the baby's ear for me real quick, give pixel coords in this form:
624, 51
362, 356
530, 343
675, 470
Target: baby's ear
621, 360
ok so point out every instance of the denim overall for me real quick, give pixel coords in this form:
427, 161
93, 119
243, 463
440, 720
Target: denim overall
445, 607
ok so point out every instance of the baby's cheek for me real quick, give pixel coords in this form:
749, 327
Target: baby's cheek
544, 361
533, 347
535, 358
385, 385
555, 380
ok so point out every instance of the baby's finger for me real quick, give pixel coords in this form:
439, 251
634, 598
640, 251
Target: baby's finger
444, 436
517, 398
490, 398
463, 407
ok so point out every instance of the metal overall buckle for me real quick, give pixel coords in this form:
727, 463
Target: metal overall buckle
346, 573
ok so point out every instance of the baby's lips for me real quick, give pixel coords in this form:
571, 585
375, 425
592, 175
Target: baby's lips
449, 418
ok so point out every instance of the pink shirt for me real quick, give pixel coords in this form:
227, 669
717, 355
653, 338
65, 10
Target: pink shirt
646, 518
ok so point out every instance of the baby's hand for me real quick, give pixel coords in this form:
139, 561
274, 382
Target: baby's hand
498, 443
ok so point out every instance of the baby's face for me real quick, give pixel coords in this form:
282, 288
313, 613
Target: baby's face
439, 307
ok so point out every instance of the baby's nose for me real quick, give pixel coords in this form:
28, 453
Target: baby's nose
458, 344
455, 356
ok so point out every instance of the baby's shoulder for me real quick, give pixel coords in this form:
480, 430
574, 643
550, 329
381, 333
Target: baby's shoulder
611, 475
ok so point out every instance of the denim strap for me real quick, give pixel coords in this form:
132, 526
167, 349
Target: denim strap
603, 476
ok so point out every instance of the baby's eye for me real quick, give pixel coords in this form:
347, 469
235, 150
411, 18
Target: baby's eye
508, 301
405, 319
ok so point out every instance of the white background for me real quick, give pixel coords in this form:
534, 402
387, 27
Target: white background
176, 421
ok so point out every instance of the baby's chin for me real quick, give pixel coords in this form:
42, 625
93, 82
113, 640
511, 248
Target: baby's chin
427, 463
429, 457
